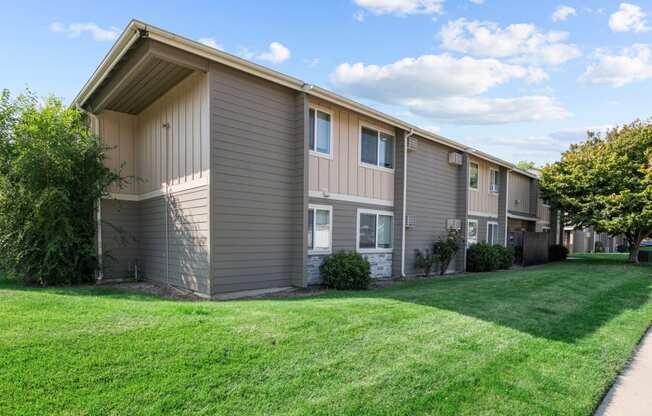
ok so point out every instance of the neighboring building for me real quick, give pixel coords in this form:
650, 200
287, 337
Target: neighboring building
583, 240
245, 178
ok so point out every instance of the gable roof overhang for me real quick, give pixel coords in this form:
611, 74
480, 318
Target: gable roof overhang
137, 30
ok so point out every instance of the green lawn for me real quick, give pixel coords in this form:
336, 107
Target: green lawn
544, 340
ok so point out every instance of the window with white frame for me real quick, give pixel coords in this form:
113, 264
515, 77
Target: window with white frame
320, 132
493, 181
471, 232
474, 175
376, 148
375, 230
492, 233
320, 229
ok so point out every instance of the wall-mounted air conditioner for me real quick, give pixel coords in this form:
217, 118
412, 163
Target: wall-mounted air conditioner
412, 144
455, 158
454, 224
410, 221
493, 188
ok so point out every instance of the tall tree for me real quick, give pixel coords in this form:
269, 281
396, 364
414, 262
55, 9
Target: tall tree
606, 183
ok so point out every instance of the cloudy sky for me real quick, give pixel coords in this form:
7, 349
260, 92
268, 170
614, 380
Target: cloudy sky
518, 79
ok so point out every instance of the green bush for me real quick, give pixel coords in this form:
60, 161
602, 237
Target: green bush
622, 248
505, 256
445, 249
346, 270
424, 261
52, 174
599, 247
481, 257
557, 252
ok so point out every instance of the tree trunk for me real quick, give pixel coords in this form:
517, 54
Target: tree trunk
633, 253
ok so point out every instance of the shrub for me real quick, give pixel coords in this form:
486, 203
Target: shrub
622, 248
557, 252
52, 174
346, 270
505, 256
424, 261
481, 257
444, 249
599, 247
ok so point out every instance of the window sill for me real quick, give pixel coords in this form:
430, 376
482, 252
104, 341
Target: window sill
320, 252
376, 167
320, 154
375, 250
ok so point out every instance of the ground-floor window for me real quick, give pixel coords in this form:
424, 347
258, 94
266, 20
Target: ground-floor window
375, 230
472, 232
492, 233
320, 229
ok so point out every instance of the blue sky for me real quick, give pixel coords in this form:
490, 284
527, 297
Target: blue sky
518, 79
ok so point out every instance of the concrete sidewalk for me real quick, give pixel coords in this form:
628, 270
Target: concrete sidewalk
631, 395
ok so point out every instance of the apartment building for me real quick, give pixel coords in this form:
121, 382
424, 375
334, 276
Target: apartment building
244, 178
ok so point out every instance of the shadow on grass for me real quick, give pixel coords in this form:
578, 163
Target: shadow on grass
561, 301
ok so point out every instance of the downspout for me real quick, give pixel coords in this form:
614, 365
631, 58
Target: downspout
506, 204
166, 199
405, 148
98, 205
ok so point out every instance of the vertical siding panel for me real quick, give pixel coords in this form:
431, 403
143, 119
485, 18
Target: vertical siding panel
202, 84
323, 174
314, 173
196, 134
334, 163
343, 119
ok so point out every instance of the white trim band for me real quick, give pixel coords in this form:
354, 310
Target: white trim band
483, 214
521, 217
160, 192
350, 198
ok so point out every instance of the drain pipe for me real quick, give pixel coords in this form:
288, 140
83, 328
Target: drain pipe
166, 126
405, 149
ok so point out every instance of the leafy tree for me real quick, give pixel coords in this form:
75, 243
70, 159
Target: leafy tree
606, 183
52, 174
525, 165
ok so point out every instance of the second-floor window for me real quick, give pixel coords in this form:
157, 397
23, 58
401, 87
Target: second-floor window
493, 181
376, 148
320, 132
474, 175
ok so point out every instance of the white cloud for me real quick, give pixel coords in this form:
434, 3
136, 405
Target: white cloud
481, 110
75, 30
520, 42
276, 54
576, 135
445, 88
401, 7
212, 43
629, 17
359, 16
632, 64
562, 13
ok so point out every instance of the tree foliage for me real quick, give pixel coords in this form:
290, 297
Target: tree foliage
606, 183
525, 165
52, 174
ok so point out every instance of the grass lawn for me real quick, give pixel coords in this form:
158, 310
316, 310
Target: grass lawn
541, 341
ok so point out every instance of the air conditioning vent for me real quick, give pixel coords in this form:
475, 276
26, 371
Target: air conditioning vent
413, 144
454, 224
455, 158
493, 188
410, 221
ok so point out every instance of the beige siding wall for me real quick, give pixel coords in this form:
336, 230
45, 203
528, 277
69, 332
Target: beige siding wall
483, 201
543, 212
150, 154
117, 131
519, 190
343, 174
178, 154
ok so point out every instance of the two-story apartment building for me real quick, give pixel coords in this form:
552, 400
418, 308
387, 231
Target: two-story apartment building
244, 178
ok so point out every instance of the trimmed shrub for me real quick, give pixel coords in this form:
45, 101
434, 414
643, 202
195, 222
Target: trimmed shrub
481, 257
424, 261
557, 252
445, 249
505, 256
346, 270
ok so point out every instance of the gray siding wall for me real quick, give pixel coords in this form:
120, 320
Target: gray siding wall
399, 215
482, 228
179, 258
502, 206
256, 191
433, 187
462, 189
136, 232
120, 221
